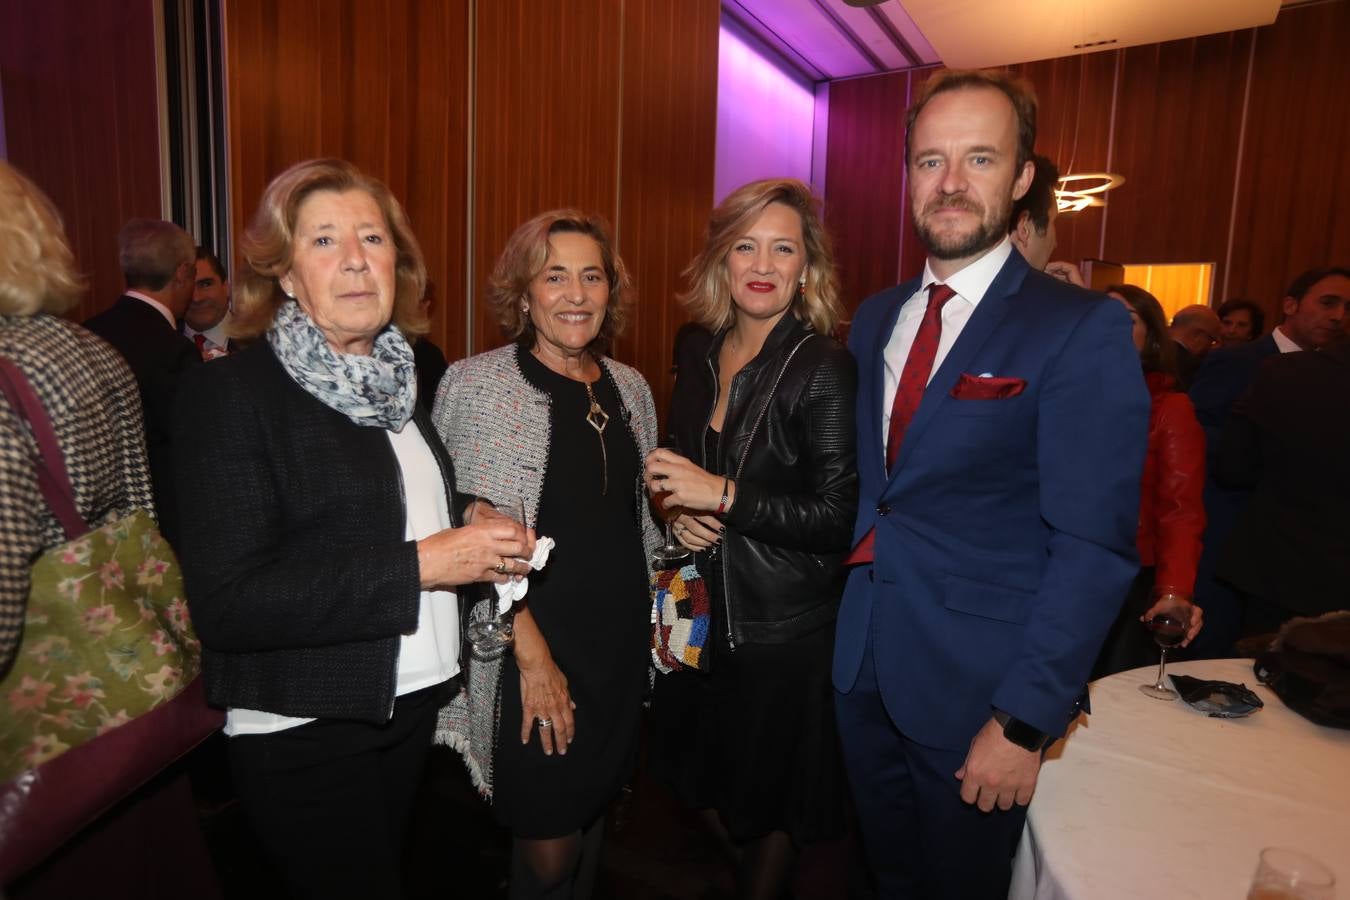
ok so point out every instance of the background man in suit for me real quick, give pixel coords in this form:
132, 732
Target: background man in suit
1289, 439
1195, 330
1314, 310
1032, 224
204, 320
999, 502
158, 263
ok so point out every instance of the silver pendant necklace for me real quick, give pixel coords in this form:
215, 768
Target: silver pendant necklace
598, 419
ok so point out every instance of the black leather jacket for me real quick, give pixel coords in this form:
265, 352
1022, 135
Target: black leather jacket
789, 528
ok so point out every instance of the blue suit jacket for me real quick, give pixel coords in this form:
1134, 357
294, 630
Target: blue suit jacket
1006, 532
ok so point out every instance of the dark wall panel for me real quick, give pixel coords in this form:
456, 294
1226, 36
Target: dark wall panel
81, 120
385, 86
545, 136
864, 181
1293, 210
668, 152
1177, 129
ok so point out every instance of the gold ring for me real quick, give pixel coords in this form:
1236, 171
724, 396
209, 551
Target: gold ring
500, 567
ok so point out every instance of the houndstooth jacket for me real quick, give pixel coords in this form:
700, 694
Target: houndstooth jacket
95, 409
496, 426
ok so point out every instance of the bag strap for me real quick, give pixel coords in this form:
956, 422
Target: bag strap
745, 451
50, 465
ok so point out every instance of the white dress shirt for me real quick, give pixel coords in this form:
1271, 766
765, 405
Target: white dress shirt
216, 338
1283, 341
970, 284
163, 310
430, 654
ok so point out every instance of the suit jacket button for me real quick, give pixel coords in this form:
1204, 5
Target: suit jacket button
884, 509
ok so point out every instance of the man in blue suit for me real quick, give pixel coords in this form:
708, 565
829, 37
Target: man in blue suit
1002, 426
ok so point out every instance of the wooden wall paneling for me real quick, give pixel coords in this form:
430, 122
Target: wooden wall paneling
666, 168
436, 160
865, 206
81, 120
546, 131
385, 87
1178, 120
1293, 210
1073, 129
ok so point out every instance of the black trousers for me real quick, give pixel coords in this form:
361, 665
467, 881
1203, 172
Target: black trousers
922, 841
330, 799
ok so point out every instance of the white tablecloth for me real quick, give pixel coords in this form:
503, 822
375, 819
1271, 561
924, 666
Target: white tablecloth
1152, 799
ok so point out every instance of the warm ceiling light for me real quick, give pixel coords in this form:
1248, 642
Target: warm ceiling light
1069, 199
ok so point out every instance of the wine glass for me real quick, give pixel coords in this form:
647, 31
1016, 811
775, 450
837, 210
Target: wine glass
490, 636
673, 554
1289, 875
1168, 627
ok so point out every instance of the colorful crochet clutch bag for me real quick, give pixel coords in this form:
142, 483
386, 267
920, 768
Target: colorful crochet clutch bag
680, 619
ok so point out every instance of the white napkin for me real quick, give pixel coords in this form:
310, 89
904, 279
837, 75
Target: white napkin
509, 593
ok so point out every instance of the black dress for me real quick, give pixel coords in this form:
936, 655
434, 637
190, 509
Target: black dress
754, 737
591, 603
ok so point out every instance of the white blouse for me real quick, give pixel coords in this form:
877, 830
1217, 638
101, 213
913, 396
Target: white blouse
429, 655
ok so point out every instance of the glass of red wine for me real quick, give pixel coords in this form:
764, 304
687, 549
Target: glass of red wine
1168, 626
674, 554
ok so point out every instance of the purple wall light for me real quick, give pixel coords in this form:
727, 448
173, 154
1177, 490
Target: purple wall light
765, 115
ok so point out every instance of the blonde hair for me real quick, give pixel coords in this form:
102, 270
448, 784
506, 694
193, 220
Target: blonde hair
268, 245
708, 297
524, 257
37, 269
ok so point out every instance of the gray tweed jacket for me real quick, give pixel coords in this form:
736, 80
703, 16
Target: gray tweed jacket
95, 409
496, 426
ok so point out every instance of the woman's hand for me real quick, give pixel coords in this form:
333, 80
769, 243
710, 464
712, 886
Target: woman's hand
684, 484
491, 549
697, 532
544, 698
1167, 604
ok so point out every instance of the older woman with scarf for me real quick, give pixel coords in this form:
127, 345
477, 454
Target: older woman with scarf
323, 537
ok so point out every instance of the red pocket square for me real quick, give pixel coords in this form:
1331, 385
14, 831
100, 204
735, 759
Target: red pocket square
987, 387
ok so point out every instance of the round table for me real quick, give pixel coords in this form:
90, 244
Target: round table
1150, 798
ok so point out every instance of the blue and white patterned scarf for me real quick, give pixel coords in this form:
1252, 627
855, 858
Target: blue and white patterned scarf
377, 390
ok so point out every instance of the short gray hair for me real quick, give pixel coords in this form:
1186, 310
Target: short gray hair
151, 250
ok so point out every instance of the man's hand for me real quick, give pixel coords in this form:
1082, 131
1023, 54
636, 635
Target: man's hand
997, 772
1065, 271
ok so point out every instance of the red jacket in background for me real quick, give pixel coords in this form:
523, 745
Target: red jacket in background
1171, 510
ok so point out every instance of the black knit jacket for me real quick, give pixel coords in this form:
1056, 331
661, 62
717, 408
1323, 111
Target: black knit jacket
298, 576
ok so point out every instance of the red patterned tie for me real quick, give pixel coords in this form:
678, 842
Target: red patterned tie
200, 341
908, 393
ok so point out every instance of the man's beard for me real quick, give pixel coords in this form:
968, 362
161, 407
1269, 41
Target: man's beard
942, 246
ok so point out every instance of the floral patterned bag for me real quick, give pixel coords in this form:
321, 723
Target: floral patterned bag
106, 633
104, 692
106, 639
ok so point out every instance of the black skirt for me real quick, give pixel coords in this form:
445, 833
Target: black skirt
754, 737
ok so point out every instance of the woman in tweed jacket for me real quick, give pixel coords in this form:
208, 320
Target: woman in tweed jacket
552, 421
84, 385
324, 537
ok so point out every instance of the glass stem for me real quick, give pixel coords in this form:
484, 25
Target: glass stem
1162, 666
670, 535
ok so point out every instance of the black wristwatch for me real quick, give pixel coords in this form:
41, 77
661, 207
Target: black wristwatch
1028, 737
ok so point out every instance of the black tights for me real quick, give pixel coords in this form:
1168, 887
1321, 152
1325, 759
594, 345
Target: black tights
764, 866
561, 868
